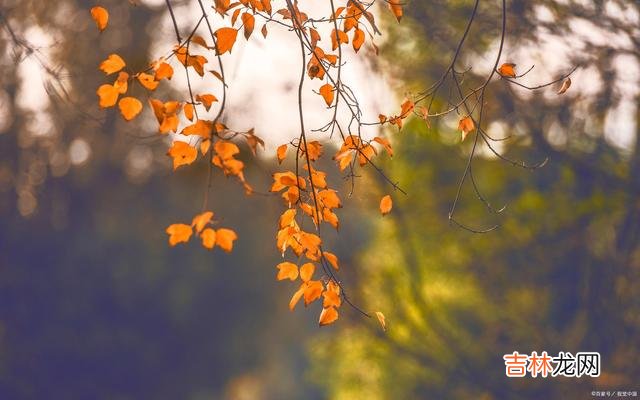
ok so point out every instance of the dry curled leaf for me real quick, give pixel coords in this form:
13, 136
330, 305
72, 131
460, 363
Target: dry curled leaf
565, 86
466, 126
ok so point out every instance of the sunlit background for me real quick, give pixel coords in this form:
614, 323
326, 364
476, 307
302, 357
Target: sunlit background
94, 304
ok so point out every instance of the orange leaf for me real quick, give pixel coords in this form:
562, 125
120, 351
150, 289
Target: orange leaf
248, 21
507, 70
328, 316
182, 154
108, 95
337, 38
201, 128
332, 259
287, 270
312, 291
201, 220
188, 111
208, 237
113, 63
382, 320
225, 149
295, 298
122, 82
225, 238
358, 39
385, 143
129, 107
179, 233
306, 271
466, 126
331, 296
206, 99
385, 205
396, 8
281, 153
204, 146
326, 91
101, 17
147, 81
163, 71
225, 39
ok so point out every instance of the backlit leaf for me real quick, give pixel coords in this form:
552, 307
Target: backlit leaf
466, 126
182, 153
507, 70
208, 237
108, 95
287, 270
385, 205
225, 238
381, 320
179, 233
113, 63
328, 316
130, 107
201, 220
225, 39
326, 91
101, 17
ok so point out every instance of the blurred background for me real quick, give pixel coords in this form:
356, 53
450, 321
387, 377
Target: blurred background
95, 305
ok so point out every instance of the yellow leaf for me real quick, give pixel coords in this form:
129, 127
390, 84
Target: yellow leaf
225, 39
179, 233
382, 320
385, 205
328, 316
208, 237
101, 17
466, 126
507, 70
326, 91
108, 95
182, 154
287, 270
225, 239
113, 63
130, 107
201, 220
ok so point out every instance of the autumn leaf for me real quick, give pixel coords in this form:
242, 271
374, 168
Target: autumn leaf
101, 17
507, 70
396, 8
328, 316
337, 38
248, 21
225, 39
287, 270
466, 126
358, 39
385, 205
226, 149
182, 153
332, 259
565, 86
122, 82
188, 111
326, 91
381, 320
130, 107
312, 291
208, 237
281, 153
201, 220
179, 233
225, 239
306, 271
295, 298
206, 99
148, 81
112, 64
108, 95
163, 71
